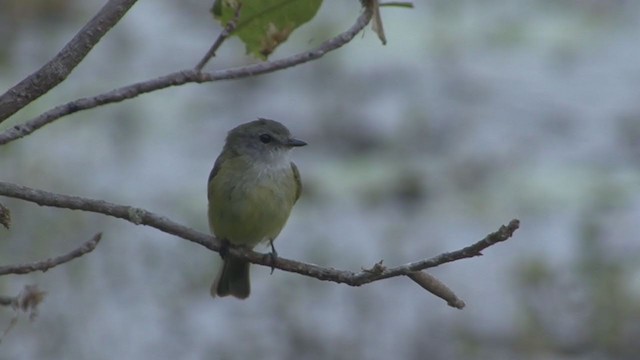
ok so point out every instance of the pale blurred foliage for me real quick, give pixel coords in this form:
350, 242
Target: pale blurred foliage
474, 113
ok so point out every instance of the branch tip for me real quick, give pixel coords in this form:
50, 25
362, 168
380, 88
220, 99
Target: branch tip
227, 31
47, 264
504, 233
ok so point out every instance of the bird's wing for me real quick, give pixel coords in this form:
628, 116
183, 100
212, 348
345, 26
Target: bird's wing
296, 177
214, 172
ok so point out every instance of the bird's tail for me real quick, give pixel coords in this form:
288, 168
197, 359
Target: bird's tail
233, 279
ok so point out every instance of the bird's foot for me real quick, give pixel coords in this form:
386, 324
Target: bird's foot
224, 248
273, 255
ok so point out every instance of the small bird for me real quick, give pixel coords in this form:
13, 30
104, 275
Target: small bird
251, 190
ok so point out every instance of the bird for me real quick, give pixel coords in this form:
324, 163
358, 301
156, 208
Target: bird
251, 191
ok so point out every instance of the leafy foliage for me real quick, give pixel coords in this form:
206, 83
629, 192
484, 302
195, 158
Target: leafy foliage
264, 24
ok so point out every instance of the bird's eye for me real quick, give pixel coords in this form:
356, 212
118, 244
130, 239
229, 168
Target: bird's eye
266, 138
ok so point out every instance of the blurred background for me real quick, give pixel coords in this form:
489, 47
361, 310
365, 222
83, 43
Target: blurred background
473, 114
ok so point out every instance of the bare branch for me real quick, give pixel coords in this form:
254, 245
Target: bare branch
5, 216
181, 78
53, 262
226, 32
143, 217
58, 68
503, 234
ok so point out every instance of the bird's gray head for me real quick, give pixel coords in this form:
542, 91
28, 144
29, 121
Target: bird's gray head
262, 139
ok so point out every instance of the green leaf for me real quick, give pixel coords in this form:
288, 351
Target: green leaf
265, 24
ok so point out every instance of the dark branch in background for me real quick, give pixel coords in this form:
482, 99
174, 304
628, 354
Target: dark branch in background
183, 77
143, 217
45, 265
226, 32
58, 68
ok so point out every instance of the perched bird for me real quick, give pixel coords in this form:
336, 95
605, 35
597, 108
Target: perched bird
252, 189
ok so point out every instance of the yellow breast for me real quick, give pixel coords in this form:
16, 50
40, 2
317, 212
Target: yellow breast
250, 204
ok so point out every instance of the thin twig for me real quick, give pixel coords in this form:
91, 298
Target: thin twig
58, 68
224, 34
503, 234
181, 78
47, 264
143, 217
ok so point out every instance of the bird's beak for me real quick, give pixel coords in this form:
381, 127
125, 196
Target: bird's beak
295, 142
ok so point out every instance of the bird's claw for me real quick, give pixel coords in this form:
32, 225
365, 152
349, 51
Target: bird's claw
273, 255
224, 248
